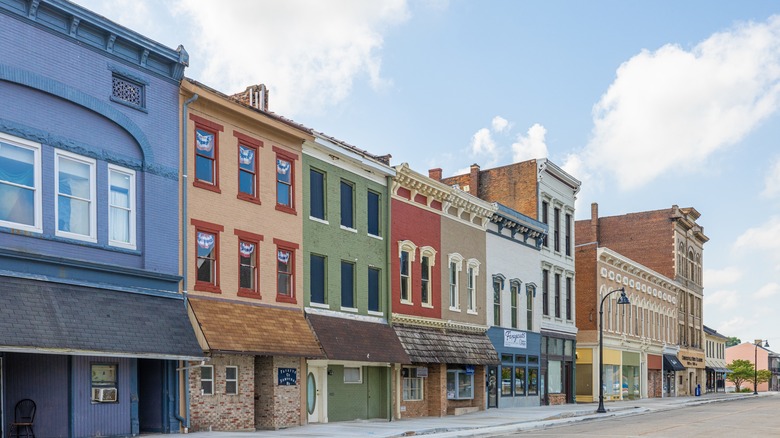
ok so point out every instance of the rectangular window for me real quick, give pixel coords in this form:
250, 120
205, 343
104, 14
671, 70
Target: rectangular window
557, 228
205, 156
247, 173
425, 275
121, 206
460, 385
347, 204
545, 220
514, 290
75, 196
231, 380
207, 380
285, 271
545, 292
317, 279
529, 308
353, 375
317, 194
374, 290
284, 183
519, 381
497, 302
373, 213
454, 302
506, 381
413, 385
20, 184
568, 234
557, 295
472, 289
207, 255
405, 271
347, 284
247, 271
533, 381
104, 383
568, 298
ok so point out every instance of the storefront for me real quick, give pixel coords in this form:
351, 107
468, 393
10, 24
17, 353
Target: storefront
516, 379
672, 366
695, 374
654, 375
557, 371
631, 376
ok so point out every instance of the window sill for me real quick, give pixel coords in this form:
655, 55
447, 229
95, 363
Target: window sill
455, 309
248, 293
319, 305
21, 227
286, 299
349, 309
374, 236
123, 245
206, 186
408, 303
351, 230
207, 287
73, 236
286, 209
248, 198
472, 312
427, 306
375, 313
316, 219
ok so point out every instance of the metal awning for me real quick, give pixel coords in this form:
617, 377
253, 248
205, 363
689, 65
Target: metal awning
717, 369
671, 363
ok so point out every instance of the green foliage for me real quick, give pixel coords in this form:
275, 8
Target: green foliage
741, 371
732, 341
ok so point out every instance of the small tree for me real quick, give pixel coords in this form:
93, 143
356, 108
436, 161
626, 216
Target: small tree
740, 371
732, 341
763, 376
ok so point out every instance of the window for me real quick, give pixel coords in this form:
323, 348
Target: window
285, 271
353, 375
533, 381
545, 292
506, 380
248, 274
285, 180
455, 264
425, 276
460, 384
374, 211
471, 285
347, 285
568, 234
128, 92
207, 380
121, 206
206, 153
317, 279
545, 220
557, 228
514, 290
497, 287
207, 255
247, 172
374, 290
347, 204
568, 298
413, 384
519, 381
530, 292
405, 279
557, 295
104, 383
20, 184
316, 194
231, 380
75, 196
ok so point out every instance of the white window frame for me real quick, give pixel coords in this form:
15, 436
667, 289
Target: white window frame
454, 289
427, 251
92, 237
202, 391
459, 374
132, 208
471, 286
37, 226
413, 385
231, 380
355, 382
411, 248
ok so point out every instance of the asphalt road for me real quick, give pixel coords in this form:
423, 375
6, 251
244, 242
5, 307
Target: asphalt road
748, 418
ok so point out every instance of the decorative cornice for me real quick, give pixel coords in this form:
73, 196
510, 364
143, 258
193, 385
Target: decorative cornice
418, 183
438, 323
545, 165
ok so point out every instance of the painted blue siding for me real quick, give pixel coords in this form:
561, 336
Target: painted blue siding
44, 380
101, 419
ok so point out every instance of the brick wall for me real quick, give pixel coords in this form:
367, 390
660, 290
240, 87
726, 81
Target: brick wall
277, 406
654, 383
586, 284
221, 411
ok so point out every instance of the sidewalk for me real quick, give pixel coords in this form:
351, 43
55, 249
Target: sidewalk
492, 421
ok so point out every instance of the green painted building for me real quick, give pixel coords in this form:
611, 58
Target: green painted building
346, 227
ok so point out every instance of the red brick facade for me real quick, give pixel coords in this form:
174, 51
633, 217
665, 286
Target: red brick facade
221, 411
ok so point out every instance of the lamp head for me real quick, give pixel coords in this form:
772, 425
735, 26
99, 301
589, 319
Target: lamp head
766, 344
623, 299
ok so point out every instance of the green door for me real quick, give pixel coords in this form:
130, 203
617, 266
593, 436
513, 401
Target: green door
377, 392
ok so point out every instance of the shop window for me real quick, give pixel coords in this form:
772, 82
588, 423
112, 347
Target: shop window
104, 383
533, 381
506, 381
353, 375
231, 380
413, 384
460, 384
207, 380
519, 381
20, 183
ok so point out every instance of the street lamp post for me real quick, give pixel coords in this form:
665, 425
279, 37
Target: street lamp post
757, 343
622, 300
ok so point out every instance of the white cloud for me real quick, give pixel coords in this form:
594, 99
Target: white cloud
674, 105
531, 145
723, 299
500, 124
772, 180
715, 278
763, 237
767, 290
482, 143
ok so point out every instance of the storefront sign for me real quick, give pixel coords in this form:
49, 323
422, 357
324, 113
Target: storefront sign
514, 339
469, 370
287, 376
692, 361
422, 371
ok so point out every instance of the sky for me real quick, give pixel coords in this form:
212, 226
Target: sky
648, 103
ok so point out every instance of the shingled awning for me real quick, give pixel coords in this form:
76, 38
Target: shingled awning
233, 327
349, 339
431, 345
47, 317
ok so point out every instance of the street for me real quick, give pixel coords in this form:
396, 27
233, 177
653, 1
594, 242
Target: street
748, 417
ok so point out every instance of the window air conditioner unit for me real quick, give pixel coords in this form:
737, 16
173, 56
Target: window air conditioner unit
104, 394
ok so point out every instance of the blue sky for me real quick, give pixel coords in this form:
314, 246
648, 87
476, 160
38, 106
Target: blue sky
649, 103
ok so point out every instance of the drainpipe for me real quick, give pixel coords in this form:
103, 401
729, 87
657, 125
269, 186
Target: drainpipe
185, 421
389, 299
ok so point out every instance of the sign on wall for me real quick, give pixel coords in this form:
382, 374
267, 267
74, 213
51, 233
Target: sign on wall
515, 339
287, 376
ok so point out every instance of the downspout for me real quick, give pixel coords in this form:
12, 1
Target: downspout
389, 298
185, 421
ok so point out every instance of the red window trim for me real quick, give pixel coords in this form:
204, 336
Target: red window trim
292, 158
292, 248
215, 128
253, 143
214, 229
248, 237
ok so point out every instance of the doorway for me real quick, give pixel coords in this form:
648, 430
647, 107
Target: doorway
492, 387
377, 392
315, 388
151, 393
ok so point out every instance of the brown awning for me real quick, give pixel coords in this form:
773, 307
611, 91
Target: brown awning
431, 345
349, 339
234, 327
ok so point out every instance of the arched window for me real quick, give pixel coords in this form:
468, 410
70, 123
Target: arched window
406, 253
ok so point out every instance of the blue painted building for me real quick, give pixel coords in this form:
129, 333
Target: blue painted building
93, 328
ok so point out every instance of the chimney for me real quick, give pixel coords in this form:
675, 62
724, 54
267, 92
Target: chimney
474, 180
435, 174
258, 96
594, 221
